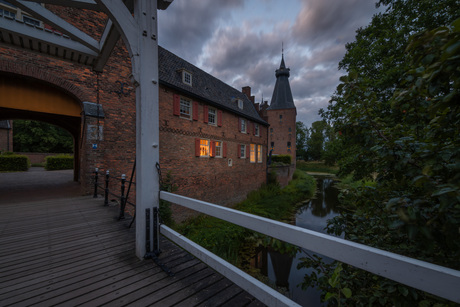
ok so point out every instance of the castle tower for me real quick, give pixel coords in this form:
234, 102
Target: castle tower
281, 115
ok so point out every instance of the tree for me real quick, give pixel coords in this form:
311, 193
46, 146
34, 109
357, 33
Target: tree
402, 123
34, 136
316, 141
301, 137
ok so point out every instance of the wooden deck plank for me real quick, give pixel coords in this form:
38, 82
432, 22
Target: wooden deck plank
73, 251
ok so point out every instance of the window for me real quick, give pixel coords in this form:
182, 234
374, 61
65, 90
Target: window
243, 125
7, 14
272, 145
259, 153
204, 148
31, 21
289, 146
252, 153
240, 104
242, 151
185, 108
271, 130
281, 117
256, 129
218, 148
212, 116
289, 129
186, 77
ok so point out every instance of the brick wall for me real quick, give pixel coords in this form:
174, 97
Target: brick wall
279, 131
6, 139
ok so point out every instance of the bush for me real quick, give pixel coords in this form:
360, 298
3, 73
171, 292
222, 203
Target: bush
59, 162
286, 159
10, 162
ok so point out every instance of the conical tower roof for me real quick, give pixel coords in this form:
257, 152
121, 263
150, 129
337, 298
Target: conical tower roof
282, 95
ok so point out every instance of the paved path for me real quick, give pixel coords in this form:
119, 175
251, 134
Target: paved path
37, 184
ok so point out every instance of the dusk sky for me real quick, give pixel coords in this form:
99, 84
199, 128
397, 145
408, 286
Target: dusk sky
239, 42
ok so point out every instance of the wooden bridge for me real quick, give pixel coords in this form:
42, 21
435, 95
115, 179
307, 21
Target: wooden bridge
72, 251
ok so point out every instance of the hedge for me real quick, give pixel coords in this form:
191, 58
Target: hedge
13, 163
286, 159
59, 162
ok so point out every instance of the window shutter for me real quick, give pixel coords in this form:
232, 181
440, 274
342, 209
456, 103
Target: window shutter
239, 151
248, 151
205, 114
176, 105
224, 149
239, 124
219, 118
197, 147
213, 149
195, 110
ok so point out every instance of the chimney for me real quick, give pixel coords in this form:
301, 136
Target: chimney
247, 91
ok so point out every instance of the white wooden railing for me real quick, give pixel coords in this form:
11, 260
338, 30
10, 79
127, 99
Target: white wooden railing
431, 278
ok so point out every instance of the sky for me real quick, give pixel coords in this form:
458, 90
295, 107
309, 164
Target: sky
241, 41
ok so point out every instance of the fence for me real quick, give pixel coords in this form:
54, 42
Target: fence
431, 278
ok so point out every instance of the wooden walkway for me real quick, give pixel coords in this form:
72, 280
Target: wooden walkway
72, 251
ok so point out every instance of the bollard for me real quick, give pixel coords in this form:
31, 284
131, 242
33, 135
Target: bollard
106, 198
95, 182
122, 198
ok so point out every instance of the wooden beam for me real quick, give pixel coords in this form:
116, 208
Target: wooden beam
79, 4
108, 41
41, 13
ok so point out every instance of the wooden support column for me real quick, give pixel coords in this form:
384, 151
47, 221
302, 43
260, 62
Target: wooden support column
140, 36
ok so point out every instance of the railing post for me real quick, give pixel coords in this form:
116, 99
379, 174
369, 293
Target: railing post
95, 182
106, 198
122, 198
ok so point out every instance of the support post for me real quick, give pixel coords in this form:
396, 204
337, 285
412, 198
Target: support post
95, 182
122, 198
145, 67
106, 194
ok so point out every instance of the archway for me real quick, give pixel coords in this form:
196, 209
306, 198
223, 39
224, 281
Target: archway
28, 98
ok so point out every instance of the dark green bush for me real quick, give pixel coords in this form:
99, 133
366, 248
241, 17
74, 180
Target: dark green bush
59, 162
10, 162
286, 159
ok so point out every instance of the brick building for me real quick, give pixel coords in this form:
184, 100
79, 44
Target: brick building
212, 139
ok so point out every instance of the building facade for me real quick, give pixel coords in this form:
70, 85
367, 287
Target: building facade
213, 142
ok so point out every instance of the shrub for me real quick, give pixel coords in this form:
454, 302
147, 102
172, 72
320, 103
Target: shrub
286, 159
10, 162
59, 162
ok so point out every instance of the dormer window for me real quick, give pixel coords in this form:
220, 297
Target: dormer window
186, 77
240, 104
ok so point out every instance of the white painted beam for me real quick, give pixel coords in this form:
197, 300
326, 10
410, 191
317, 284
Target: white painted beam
109, 39
425, 276
36, 35
259, 290
41, 13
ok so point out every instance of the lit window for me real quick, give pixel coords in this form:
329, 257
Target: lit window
185, 108
218, 149
243, 125
259, 153
204, 148
212, 116
256, 129
243, 151
186, 77
252, 153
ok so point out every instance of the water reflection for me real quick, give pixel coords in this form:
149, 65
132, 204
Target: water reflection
282, 269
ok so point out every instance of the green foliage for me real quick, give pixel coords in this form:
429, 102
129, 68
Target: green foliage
237, 244
301, 136
316, 141
34, 136
285, 159
10, 162
167, 185
399, 115
58, 162
318, 167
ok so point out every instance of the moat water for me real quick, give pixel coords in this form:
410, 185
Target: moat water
282, 269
